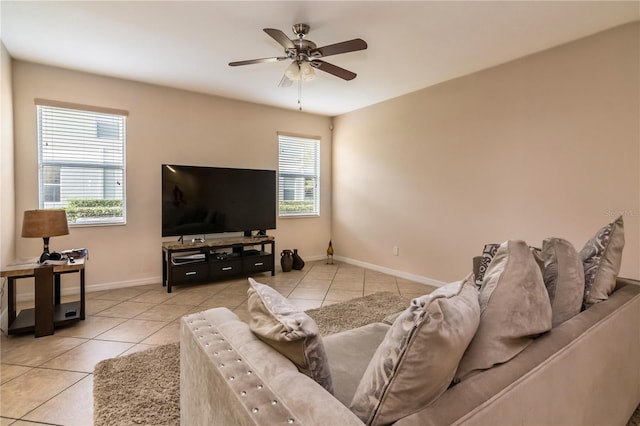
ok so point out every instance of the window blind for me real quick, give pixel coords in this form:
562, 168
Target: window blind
298, 176
81, 164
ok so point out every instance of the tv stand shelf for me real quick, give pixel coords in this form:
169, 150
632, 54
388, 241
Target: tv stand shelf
216, 259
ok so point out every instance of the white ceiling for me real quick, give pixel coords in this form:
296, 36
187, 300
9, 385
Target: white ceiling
187, 45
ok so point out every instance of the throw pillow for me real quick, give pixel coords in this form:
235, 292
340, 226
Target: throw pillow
289, 331
488, 253
601, 257
563, 276
416, 361
514, 307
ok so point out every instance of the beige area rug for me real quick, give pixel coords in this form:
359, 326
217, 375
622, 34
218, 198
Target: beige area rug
357, 312
138, 389
144, 388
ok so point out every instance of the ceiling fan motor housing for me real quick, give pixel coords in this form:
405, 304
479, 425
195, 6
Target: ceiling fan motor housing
300, 30
303, 49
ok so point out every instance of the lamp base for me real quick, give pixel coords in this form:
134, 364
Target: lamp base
45, 250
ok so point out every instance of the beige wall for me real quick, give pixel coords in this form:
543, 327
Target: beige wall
547, 145
164, 126
7, 192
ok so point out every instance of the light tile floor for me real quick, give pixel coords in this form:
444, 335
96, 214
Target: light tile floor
50, 379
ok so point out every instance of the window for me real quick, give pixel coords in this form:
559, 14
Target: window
298, 176
81, 162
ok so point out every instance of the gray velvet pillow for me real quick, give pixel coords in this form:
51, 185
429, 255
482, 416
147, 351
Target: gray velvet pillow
601, 258
514, 307
563, 276
289, 331
419, 355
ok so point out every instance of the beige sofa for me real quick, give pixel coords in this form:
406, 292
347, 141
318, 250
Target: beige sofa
584, 371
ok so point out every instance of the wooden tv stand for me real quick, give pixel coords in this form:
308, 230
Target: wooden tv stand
216, 259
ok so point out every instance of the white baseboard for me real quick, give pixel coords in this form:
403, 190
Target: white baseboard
389, 271
27, 297
158, 280
23, 297
122, 284
314, 258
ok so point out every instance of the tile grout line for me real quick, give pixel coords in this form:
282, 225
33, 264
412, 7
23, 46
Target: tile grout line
22, 418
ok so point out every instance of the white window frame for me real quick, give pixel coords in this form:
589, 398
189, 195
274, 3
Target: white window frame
85, 147
299, 165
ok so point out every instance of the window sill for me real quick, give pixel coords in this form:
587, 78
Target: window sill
93, 224
299, 216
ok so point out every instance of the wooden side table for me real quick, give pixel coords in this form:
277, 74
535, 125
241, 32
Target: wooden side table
48, 312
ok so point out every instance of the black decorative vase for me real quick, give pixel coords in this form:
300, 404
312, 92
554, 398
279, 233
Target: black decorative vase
298, 263
286, 260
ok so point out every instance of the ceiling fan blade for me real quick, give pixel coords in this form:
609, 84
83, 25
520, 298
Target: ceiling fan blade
258, 61
333, 69
280, 37
285, 82
343, 47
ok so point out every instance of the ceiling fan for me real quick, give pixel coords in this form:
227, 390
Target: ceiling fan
305, 55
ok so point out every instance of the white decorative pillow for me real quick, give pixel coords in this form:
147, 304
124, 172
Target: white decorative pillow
419, 355
289, 331
601, 257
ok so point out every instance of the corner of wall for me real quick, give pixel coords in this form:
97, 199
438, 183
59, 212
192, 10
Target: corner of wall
7, 189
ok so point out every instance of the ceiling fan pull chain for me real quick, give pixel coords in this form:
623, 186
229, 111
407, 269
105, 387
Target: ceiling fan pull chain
300, 94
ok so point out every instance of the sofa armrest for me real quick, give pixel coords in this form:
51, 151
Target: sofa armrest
230, 377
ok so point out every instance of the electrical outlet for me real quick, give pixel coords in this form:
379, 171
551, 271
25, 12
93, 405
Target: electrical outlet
395, 250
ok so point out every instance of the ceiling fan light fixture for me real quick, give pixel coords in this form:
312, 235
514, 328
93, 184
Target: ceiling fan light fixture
293, 71
306, 72
300, 71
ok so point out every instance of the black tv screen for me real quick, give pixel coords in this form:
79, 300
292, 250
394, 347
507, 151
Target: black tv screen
205, 200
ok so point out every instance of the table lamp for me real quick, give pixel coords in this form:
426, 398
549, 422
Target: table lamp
44, 224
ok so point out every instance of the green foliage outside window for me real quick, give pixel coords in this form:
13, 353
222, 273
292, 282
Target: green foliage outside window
296, 207
92, 208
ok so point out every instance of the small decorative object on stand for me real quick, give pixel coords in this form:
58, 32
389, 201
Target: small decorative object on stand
298, 263
286, 260
330, 254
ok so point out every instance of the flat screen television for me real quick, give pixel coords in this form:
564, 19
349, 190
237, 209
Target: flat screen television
204, 200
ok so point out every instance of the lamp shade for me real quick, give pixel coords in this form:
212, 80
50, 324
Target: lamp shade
44, 223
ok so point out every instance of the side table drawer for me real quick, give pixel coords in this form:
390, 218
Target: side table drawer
225, 267
189, 272
252, 264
